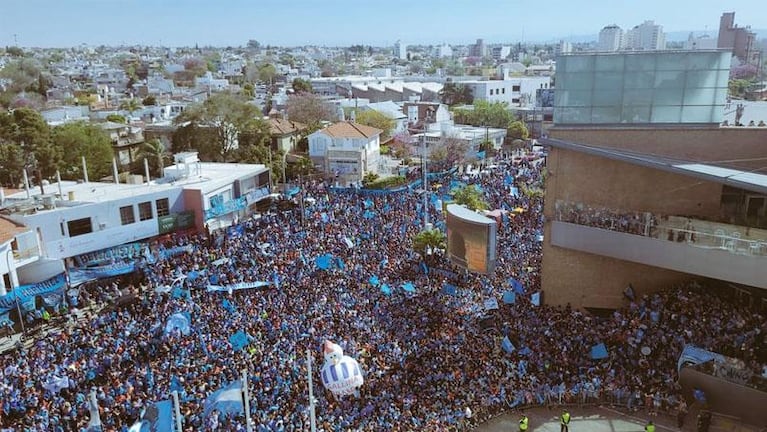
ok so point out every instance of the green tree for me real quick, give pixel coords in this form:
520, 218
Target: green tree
227, 116
266, 73
302, 85
470, 197
154, 152
149, 101
310, 110
27, 129
116, 118
377, 120
454, 94
248, 90
75, 140
517, 130
14, 51
429, 241
131, 105
11, 163
490, 114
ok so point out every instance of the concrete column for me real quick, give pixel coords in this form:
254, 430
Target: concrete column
3, 291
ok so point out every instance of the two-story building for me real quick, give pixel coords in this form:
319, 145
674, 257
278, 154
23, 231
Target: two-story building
346, 151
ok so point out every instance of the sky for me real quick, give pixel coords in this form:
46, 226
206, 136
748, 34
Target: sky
65, 23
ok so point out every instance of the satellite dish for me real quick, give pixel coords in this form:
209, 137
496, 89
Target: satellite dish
646, 350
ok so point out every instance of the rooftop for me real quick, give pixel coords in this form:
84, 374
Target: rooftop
9, 229
348, 129
748, 180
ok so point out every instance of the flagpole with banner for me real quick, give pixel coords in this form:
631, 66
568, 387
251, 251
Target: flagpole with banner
312, 419
177, 411
246, 396
94, 424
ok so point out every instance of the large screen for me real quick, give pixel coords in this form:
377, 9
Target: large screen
471, 239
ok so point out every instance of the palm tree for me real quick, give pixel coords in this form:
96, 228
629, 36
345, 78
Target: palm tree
154, 152
429, 241
131, 105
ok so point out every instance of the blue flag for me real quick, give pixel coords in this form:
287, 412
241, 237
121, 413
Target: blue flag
508, 180
509, 297
340, 264
516, 286
408, 287
181, 321
227, 400
507, 345
157, 417
536, 299
386, 289
368, 203
425, 268
449, 289
228, 306
324, 217
369, 214
239, 340
324, 261
599, 351
374, 280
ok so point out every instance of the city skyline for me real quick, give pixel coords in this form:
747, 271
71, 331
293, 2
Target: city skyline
340, 22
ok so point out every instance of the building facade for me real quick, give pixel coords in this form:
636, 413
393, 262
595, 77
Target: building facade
741, 40
400, 50
516, 91
346, 150
610, 39
647, 36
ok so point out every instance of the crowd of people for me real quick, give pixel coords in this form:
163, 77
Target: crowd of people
428, 363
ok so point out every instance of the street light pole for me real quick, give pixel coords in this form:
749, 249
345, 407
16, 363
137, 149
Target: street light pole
425, 181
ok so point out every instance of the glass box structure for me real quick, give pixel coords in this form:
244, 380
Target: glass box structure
649, 87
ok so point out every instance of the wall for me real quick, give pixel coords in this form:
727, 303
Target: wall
741, 147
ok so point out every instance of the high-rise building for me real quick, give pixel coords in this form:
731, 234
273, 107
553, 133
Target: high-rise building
645, 37
610, 38
444, 50
500, 53
742, 41
400, 50
479, 49
564, 47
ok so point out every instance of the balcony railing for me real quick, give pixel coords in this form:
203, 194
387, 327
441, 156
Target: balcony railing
672, 228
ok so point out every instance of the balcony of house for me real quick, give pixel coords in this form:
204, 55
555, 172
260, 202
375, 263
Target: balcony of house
721, 251
25, 248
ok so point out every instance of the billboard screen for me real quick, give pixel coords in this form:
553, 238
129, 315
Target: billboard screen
471, 239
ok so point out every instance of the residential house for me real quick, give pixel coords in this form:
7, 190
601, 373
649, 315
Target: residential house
126, 140
346, 150
285, 134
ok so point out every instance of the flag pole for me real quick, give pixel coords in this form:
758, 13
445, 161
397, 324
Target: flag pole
312, 419
246, 395
177, 411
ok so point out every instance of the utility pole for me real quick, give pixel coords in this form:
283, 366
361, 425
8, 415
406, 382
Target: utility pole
312, 419
425, 182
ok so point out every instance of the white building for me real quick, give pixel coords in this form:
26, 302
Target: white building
703, 42
500, 52
610, 38
646, 36
76, 218
347, 150
564, 47
444, 50
516, 91
400, 50
472, 136
213, 84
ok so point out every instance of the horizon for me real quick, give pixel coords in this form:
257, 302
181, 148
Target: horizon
232, 23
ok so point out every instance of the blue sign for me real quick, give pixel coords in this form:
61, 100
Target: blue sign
26, 293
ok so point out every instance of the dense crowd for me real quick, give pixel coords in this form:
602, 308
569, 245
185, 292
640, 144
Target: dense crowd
428, 362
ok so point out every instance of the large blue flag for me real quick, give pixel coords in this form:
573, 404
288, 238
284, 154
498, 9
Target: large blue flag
599, 351
180, 321
324, 261
228, 306
449, 289
386, 289
509, 297
157, 417
239, 340
507, 345
227, 400
373, 280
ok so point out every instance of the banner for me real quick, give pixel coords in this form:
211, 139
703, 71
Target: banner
599, 351
81, 275
509, 297
449, 289
696, 355
239, 340
181, 321
227, 400
237, 286
507, 345
157, 417
26, 293
129, 251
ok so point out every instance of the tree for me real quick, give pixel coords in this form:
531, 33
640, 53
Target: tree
14, 51
149, 101
428, 241
447, 153
302, 86
490, 114
454, 94
248, 90
75, 140
266, 72
310, 110
470, 197
377, 120
27, 129
131, 105
154, 152
116, 118
517, 130
11, 163
227, 116
253, 45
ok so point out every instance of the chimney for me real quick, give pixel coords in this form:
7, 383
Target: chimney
114, 171
85, 171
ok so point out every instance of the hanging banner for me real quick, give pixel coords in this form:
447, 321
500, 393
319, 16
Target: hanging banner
81, 275
26, 293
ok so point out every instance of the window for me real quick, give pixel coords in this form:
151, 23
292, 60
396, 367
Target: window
145, 210
515, 88
127, 216
163, 208
515, 100
503, 90
79, 227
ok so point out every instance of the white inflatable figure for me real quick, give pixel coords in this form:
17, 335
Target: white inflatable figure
341, 374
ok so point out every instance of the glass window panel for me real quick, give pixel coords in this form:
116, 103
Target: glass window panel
697, 114
641, 80
669, 79
670, 62
637, 97
580, 63
703, 60
571, 98
577, 81
608, 80
720, 96
606, 114
607, 98
666, 114
700, 96
574, 115
698, 79
667, 96
612, 63
635, 114
640, 63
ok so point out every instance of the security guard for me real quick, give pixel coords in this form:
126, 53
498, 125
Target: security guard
650, 427
523, 423
564, 422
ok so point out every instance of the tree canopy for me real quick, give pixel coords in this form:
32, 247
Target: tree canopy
83, 139
455, 94
302, 85
310, 110
378, 120
470, 197
447, 153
